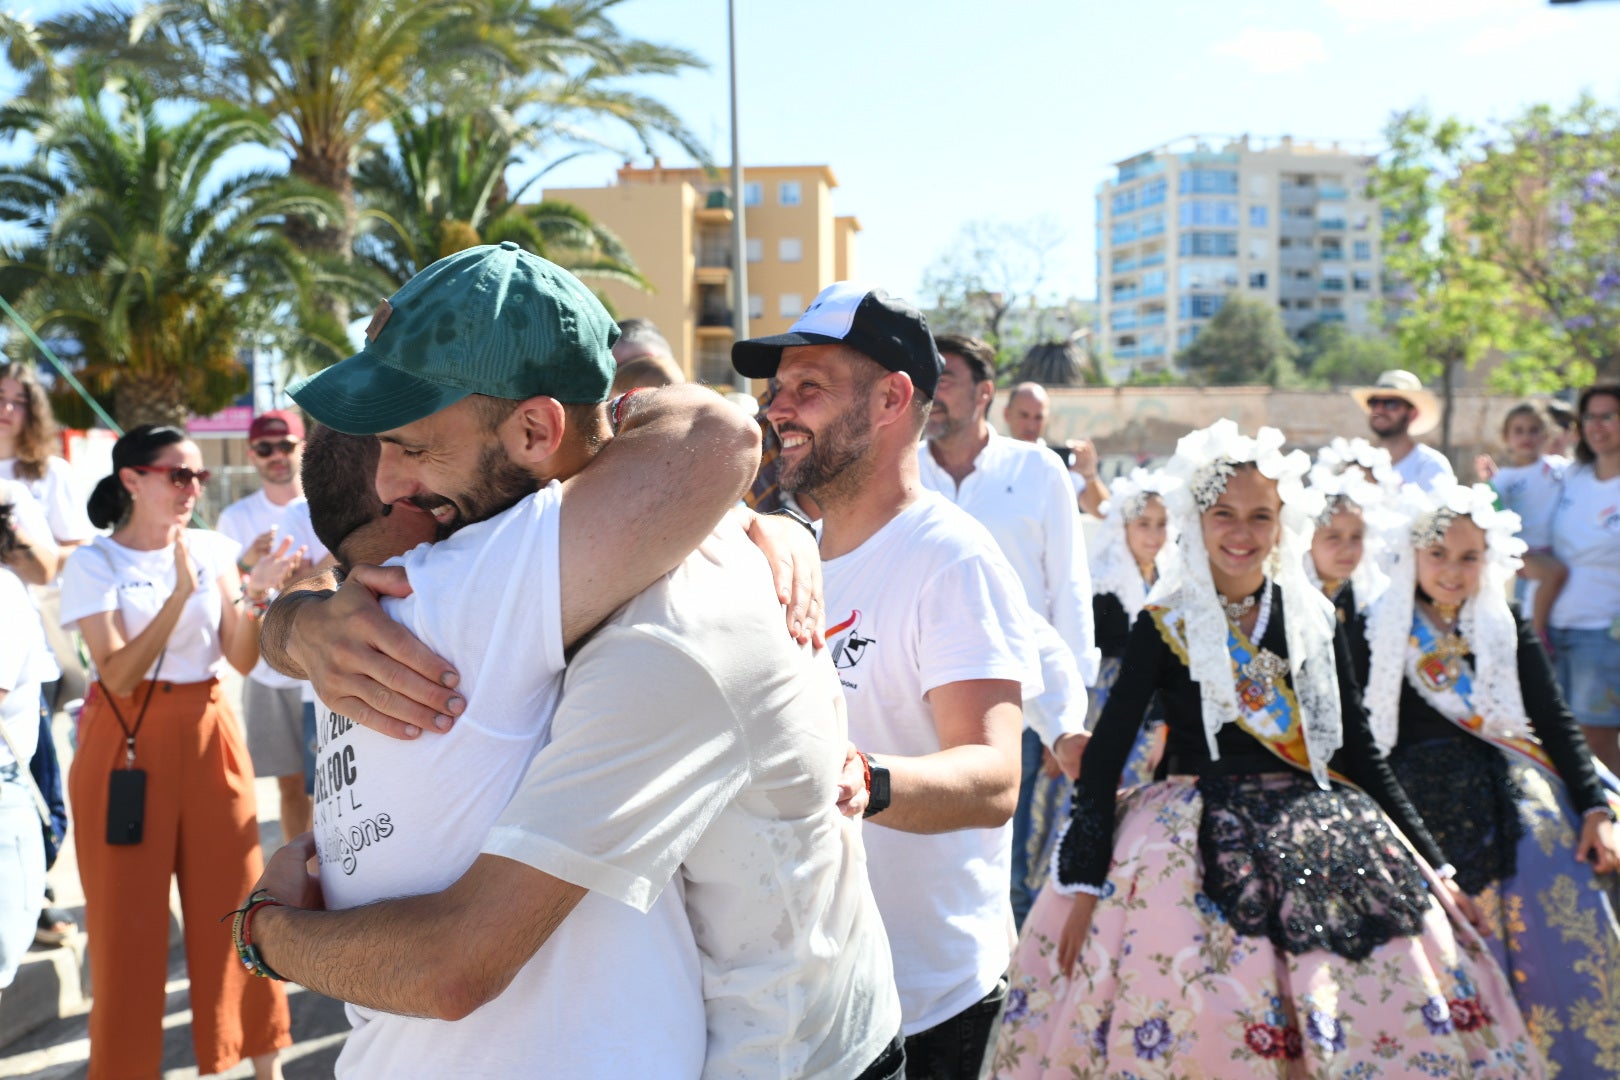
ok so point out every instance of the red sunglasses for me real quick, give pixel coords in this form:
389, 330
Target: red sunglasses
179, 476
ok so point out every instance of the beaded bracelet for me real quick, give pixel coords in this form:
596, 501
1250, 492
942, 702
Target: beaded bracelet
257, 608
242, 935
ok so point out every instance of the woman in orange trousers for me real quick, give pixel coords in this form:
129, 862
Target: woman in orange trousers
161, 611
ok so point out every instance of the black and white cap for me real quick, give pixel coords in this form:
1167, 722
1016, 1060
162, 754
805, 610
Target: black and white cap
868, 320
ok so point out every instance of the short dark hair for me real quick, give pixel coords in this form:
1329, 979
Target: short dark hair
644, 332
1560, 413
1583, 452
979, 356
340, 483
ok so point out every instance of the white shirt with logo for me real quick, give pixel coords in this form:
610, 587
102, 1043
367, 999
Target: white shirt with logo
1532, 491
613, 992
1022, 493
1586, 539
926, 601
1423, 466
249, 518
697, 746
104, 575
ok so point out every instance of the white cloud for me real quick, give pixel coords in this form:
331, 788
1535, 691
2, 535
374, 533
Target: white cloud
1274, 52
1513, 34
1421, 14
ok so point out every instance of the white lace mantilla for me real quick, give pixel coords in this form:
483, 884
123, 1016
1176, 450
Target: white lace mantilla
1485, 620
1113, 567
1309, 618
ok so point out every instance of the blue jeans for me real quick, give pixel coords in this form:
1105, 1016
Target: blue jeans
22, 870
1588, 667
961, 1048
1022, 896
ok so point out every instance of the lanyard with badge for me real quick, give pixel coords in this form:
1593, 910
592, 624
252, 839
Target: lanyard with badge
126, 791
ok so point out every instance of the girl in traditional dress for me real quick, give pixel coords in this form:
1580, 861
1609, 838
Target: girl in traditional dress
1129, 556
1255, 914
1463, 701
1340, 563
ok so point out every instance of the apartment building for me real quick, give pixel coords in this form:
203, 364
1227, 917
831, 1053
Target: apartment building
677, 225
1184, 225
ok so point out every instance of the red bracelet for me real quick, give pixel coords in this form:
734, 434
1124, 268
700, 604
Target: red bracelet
866, 766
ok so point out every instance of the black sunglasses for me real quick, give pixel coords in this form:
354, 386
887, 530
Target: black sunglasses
265, 449
1386, 403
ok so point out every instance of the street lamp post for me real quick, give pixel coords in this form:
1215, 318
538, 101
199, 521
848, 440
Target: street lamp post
739, 229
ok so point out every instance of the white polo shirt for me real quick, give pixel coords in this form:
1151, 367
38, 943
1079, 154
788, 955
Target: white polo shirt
1022, 493
926, 601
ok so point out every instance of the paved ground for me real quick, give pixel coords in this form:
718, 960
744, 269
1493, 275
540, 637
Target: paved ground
61, 1049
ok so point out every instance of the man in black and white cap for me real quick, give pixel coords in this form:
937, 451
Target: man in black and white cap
1398, 411
935, 646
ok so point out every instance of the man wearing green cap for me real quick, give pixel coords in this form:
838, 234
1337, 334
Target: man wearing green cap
692, 737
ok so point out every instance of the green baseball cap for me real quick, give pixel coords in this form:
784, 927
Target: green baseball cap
492, 320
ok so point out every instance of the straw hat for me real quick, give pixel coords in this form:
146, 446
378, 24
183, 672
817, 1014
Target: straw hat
1406, 386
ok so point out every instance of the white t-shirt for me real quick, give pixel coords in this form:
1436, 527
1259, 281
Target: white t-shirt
696, 742
28, 517
104, 575
59, 494
249, 518
1022, 493
1532, 491
395, 818
19, 711
1423, 466
926, 601
1586, 539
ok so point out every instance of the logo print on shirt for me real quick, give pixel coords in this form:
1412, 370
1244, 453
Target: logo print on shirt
848, 650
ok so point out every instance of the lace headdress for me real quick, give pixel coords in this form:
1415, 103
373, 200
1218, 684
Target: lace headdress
1204, 461
1113, 567
1342, 454
1351, 489
1419, 521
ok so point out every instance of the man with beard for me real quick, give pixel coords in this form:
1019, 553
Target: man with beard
279, 725
1021, 493
1398, 410
694, 742
934, 645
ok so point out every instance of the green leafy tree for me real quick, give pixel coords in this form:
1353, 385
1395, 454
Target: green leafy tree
142, 262
1244, 344
1448, 307
1332, 356
441, 188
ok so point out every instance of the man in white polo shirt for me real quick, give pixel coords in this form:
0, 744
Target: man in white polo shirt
1398, 411
932, 638
1022, 494
696, 749
274, 706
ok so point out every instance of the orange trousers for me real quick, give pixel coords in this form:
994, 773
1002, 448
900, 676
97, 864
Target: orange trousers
201, 825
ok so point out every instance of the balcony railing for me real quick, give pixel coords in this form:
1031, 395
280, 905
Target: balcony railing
1122, 295
714, 259
1332, 316
1332, 193
1334, 224
1152, 260
1124, 320
1151, 228
715, 318
1152, 290
1332, 254
1333, 284
1154, 318
1125, 266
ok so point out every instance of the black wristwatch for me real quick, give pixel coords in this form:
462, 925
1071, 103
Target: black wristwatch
877, 785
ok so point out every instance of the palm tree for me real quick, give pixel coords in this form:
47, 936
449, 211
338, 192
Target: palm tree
441, 188
141, 259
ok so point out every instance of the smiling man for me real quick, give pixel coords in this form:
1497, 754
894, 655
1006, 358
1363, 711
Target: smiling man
1398, 411
935, 648
695, 750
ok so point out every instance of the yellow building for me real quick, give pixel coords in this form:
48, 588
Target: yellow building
677, 225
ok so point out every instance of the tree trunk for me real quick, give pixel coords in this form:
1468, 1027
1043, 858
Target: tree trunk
150, 399
334, 240
1448, 367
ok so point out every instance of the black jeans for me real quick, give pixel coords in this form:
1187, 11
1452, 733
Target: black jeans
961, 1048
890, 1065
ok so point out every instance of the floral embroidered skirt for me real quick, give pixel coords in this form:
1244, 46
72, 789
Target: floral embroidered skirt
1165, 988
1050, 808
1554, 921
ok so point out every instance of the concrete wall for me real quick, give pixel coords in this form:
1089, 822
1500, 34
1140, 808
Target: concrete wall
1147, 421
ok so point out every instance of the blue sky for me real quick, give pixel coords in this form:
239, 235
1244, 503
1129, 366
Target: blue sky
935, 112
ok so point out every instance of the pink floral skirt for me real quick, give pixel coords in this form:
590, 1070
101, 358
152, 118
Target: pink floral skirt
1164, 988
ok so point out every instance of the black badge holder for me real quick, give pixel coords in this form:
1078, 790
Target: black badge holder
126, 789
